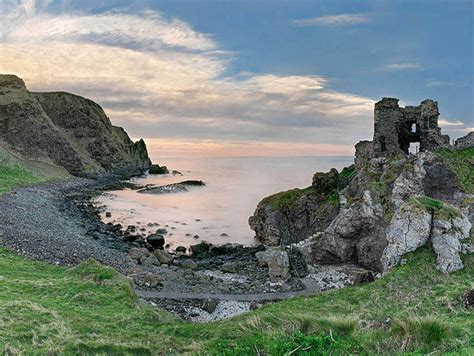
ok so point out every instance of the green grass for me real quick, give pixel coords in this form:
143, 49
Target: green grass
92, 309
16, 176
462, 164
437, 207
15, 172
288, 198
347, 171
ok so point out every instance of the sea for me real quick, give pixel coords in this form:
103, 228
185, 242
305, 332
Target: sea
217, 212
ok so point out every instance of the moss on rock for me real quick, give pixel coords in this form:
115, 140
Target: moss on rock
442, 210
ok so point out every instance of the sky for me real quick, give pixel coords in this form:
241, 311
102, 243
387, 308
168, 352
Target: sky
246, 77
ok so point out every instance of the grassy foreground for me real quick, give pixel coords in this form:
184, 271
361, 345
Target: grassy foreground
92, 309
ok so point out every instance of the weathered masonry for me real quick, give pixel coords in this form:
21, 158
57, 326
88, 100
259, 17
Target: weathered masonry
395, 127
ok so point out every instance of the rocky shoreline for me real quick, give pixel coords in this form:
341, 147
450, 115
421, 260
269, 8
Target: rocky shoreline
58, 223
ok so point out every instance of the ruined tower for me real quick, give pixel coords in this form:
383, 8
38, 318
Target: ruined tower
396, 127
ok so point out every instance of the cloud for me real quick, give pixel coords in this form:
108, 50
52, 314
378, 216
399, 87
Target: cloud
454, 128
438, 83
163, 148
446, 123
159, 78
335, 20
401, 66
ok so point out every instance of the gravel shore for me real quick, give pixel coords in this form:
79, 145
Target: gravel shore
42, 223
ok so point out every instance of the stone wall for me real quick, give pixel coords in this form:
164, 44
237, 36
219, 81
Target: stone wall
396, 127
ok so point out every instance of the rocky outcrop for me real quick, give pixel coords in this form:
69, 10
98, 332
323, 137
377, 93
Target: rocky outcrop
295, 215
409, 183
277, 262
465, 141
438, 181
409, 229
66, 130
171, 188
157, 169
355, 235
393, 203
419, 222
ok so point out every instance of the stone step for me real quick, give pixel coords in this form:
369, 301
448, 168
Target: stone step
297, 263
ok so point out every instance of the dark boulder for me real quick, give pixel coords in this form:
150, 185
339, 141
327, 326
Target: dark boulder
468, 299
156, 240
157, 169
201, 249
439, 182
325, 183
181, 249
210, 305
226, 249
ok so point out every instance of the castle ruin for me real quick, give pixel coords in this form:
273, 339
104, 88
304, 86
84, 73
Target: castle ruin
395, 128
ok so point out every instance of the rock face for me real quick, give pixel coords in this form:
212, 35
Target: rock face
355, 235
415, 224
446, 239
397, 217
295, 215
409, 229
66, 130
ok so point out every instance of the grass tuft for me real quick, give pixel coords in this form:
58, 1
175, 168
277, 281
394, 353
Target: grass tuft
441, 209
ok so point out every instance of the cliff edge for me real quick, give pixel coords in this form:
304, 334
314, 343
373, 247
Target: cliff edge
65, 130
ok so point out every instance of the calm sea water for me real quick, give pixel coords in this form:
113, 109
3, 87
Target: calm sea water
234, 186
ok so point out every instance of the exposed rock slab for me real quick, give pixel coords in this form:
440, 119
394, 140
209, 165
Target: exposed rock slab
409, 229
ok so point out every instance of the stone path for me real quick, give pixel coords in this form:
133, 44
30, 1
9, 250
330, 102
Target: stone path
311, 287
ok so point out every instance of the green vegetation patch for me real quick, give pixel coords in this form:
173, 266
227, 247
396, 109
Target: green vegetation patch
348, 171
441, 209
17, 173
461, 163
91, 309
287, 199
16, 176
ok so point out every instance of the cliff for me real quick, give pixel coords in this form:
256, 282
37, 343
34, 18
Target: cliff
65, 130
391, 203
